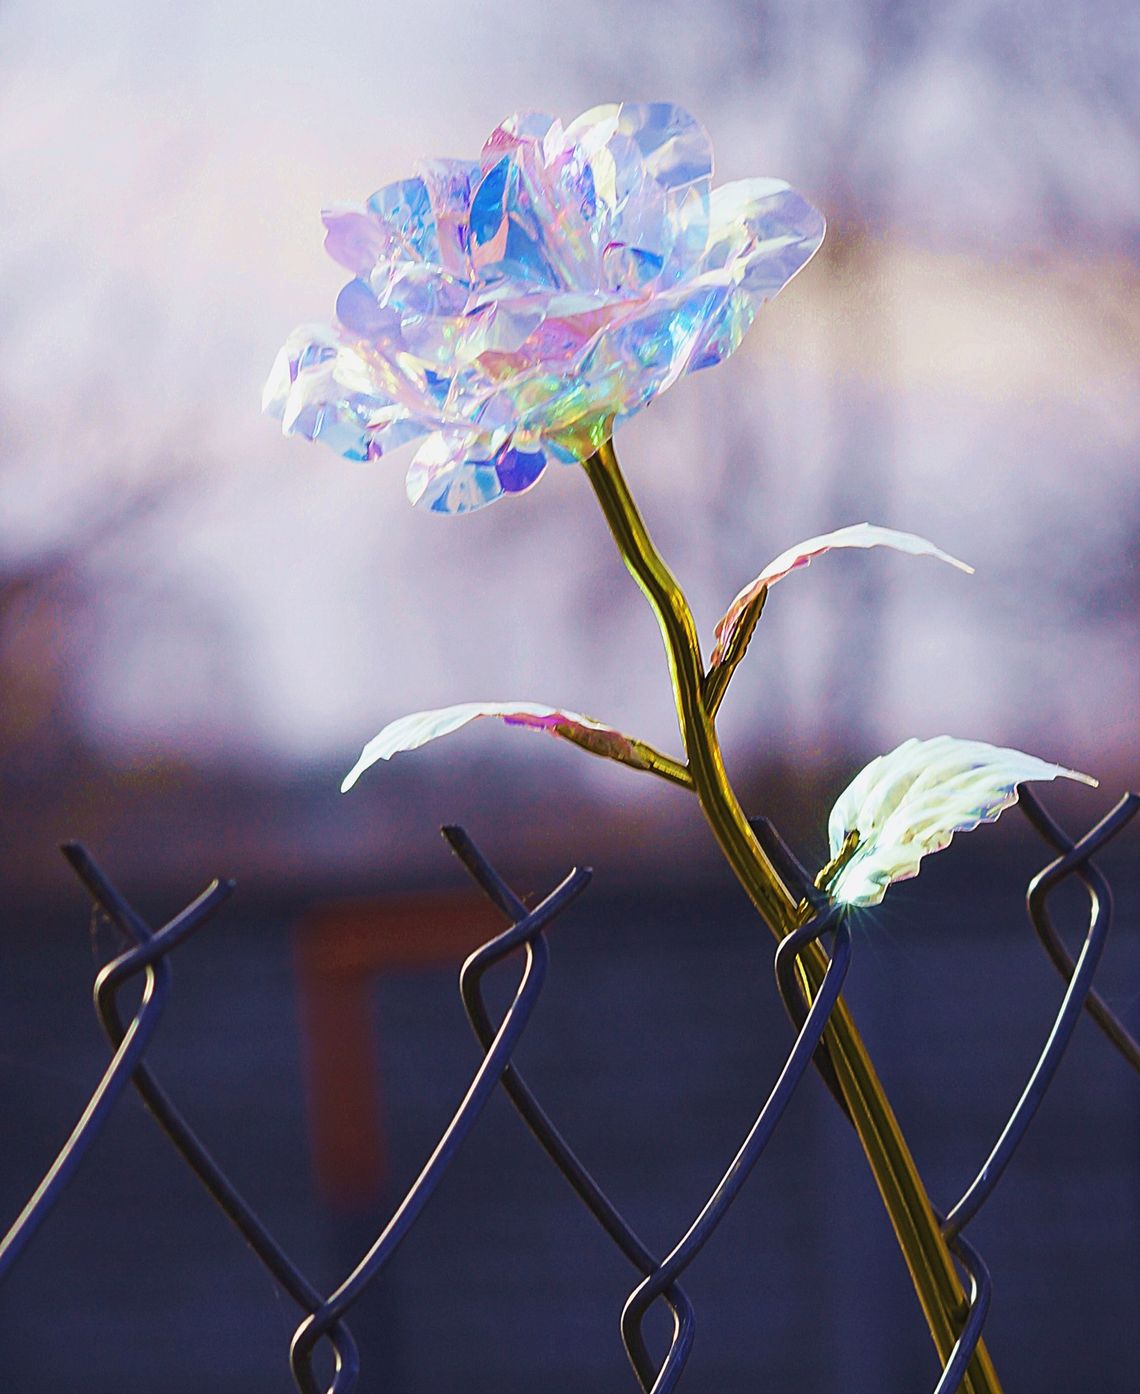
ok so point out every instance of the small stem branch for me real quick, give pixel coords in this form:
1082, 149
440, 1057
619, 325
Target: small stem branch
720, 674
927, 1256
637, 755
664, 765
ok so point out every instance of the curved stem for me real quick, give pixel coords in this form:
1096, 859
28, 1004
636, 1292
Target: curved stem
931, 1267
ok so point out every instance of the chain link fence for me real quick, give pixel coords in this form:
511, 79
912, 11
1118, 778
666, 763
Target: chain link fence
323, 1339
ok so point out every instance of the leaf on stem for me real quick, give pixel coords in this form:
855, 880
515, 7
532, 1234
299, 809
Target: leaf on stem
857, 535
912, 801
409, 732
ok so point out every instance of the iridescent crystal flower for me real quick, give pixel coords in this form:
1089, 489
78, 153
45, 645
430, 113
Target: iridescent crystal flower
513, 308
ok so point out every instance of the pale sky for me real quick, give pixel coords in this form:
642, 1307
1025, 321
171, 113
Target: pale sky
969, 375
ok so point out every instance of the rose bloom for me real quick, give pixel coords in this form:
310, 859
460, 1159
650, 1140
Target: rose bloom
513, 308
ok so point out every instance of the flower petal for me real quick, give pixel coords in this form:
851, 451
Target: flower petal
912, 801
652, 168
677, 153
322, 389
856, 535
523, 128
410, 732
653, 344
762, 233
404, 210
450, 185
354, 238
508, 230
674, 145
458, 472
442, 479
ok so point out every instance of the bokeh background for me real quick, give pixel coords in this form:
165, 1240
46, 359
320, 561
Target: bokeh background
201, 623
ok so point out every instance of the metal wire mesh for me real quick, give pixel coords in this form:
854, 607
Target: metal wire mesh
323, 1316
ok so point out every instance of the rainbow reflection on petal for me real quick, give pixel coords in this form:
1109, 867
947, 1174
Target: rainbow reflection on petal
516, 308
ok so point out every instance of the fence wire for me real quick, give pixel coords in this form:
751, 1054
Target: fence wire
323, 1316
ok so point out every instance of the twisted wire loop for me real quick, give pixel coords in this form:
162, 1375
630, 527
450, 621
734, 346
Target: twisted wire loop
977, 1309
716, 1207
148, 956
538, 1121
525, 933
1074, 859
1062, 960
151, 947
795, 1000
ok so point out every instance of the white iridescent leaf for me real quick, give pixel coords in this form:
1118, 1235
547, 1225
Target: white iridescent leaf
409, 732
913, 800
857, 535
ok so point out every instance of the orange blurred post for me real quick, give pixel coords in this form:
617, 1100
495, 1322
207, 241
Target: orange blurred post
341, 948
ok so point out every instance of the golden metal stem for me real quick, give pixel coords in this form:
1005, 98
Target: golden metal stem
927, 1257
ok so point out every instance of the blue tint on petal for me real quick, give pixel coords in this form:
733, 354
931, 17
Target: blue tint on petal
437, 386
629, 268
405, 209
337, 425
473, 486
450, 184
507, 236
487, 205
538, 295
425, 293
673, 144
519, 469
311, 355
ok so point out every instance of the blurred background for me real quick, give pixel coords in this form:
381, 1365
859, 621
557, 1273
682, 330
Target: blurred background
201, 623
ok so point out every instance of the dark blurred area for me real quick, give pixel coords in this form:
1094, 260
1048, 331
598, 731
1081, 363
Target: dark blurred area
200, 625
658, 1033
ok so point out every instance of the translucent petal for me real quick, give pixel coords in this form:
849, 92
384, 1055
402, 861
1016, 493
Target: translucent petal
308, 343
322, 389
674, 145
462, 473
523, 128
629, 268
450, 185
355, 238
442, 479
638, 209
518, 469
430, 309
677, 153
359, 311
762, 232
652, 166
508, 235
560, 196
648, 348
911, 802
404, 210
